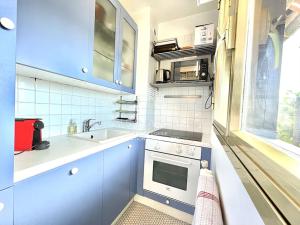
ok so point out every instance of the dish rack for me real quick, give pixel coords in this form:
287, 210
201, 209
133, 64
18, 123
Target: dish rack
123, 113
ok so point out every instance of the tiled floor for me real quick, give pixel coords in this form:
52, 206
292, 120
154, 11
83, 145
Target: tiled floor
138, 214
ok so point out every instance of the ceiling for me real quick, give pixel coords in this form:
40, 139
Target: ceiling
164, 10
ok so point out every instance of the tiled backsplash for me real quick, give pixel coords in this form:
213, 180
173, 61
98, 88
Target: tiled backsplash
183, 113
56, 104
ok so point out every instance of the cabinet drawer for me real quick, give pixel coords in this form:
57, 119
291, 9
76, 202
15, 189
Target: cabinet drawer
68, 195
6, 207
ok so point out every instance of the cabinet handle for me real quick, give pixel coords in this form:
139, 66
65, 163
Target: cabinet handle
7, 23
129, 146
85, 70
74, 171
1, 206
120, 82
116, 81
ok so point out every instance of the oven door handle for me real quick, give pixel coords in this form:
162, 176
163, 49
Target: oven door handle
171, 160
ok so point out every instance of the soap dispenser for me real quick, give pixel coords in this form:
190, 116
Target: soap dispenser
71, 128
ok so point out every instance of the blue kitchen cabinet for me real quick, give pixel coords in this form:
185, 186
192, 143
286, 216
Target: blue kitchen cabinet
128, 52
116, 180
6, 207
56, 36
68, 195
89, 40
105, 45
8, 13
140, 169
138, 146
114, 52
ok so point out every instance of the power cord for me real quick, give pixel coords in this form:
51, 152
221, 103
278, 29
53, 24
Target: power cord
210, 96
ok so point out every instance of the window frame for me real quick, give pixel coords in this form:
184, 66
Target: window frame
275, 172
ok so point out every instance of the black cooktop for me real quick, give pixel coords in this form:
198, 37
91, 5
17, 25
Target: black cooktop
186, 135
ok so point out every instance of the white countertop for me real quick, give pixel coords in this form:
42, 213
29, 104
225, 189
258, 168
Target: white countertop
65, 149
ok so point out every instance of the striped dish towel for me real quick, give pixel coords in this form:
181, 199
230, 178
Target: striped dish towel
207, 210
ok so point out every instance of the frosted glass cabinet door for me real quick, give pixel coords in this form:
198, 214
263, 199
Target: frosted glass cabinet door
128, 54
104, 40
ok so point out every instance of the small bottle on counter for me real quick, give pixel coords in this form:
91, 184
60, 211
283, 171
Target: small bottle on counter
72, 128
75, 127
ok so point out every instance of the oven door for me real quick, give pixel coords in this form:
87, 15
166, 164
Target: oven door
172, 176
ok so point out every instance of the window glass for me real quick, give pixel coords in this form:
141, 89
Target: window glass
272, 92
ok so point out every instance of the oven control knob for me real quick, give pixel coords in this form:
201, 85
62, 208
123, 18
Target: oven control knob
179, 149
191, 151
156, 147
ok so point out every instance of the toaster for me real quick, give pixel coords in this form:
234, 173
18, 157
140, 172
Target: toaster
28, 135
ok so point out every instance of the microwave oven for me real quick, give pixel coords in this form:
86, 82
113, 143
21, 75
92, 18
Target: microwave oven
191, 70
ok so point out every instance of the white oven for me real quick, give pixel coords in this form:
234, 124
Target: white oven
172, 174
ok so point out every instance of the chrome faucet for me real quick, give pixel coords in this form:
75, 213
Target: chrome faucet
86, 126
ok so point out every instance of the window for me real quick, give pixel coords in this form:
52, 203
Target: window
271, 107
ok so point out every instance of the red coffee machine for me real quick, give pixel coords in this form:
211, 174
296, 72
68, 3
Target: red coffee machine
28, 135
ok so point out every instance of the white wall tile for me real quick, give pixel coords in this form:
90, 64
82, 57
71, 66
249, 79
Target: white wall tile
42, 97
182, 114
26, 95
55, 120
26, 109
66, 109
55, 109
56, 87
66, 99
26, 83
55, 98
42, 109
42, 85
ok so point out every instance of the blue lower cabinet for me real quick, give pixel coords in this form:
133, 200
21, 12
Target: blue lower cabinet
68, 195
140, 168
6, 207
206, 155
138, 147
116, 180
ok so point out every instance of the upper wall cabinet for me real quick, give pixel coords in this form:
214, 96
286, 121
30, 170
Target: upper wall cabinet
90, 40
56, 36
127, 56
105, 51
114, 52
8, 13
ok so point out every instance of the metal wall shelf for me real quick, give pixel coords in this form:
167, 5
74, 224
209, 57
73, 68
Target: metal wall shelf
126, 111
121, 110
182, 96
124, 102
187, 84
203, 50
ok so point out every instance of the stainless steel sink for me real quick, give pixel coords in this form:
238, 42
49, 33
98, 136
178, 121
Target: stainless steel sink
102, 135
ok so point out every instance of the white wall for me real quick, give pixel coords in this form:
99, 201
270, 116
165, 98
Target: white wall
183, 28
